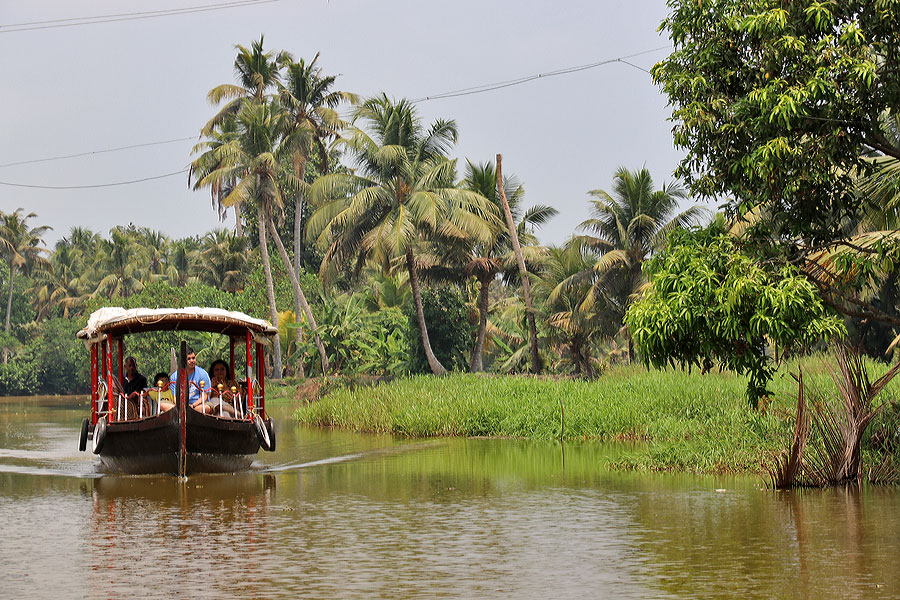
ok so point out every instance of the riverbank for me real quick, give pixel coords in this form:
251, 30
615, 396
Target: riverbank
686, 421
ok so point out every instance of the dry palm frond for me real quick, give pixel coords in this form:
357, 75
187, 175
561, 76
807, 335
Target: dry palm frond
786, 467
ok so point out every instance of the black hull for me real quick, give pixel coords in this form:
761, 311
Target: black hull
151, 445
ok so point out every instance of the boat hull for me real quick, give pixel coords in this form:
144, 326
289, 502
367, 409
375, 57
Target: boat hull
151, 445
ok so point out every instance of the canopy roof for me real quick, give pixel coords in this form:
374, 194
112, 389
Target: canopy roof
117, 321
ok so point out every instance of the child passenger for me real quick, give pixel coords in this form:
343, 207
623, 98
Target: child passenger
165, 398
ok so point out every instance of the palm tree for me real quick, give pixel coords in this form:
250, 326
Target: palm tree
60, 285
223, 260
207, 162
572, 324
122, 259
488, 259
309, 100
20, 245
256, 71
626, 227
401, 192
182, 261
255, 162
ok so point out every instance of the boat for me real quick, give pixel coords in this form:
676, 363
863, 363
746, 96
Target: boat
142, 437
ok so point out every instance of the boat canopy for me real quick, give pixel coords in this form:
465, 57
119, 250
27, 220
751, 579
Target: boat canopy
118, 321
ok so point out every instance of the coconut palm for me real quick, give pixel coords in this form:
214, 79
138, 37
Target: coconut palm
308, 98
122, 259
59, 285
210, 160
223, 260
255, 161
490, 258
256, 71
626, 227
401, 192
572, 324
182, 261
20, 246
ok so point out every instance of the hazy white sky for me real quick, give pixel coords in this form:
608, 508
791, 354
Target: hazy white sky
79, 89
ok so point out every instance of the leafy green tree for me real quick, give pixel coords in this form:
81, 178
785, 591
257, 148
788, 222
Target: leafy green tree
20, 247
401, 191
776, 103
708, 302
445, 309
626, 227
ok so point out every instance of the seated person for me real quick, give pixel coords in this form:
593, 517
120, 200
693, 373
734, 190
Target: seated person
198, 380
134, 384
221, 375
164, 398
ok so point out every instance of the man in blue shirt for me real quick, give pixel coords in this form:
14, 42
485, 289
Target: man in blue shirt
197, 379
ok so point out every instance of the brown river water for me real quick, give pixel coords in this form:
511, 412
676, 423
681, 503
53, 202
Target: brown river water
339, 515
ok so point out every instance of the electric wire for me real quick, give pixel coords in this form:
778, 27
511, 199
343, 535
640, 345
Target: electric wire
113, 18
480, 89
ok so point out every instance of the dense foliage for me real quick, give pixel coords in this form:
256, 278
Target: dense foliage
776, 102
709, 303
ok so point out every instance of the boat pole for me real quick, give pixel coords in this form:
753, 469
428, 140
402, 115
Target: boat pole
182, 392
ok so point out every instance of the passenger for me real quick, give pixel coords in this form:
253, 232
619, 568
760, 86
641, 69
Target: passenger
164, 398
134, 384
197, 379
221, 375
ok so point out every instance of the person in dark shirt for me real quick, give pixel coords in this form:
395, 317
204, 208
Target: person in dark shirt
134, 382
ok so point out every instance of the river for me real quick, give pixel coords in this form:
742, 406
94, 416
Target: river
338, 515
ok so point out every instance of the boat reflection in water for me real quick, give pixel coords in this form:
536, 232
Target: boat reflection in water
200, 538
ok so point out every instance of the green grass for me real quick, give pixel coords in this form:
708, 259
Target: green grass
688, 421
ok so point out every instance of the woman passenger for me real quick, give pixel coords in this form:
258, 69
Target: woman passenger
220, 373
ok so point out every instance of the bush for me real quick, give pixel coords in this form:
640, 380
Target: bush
448, 329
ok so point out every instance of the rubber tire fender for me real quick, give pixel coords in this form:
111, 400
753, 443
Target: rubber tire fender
99, 436
262, 433
270, 425
82, 440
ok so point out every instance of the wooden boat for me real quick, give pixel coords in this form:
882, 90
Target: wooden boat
181, 440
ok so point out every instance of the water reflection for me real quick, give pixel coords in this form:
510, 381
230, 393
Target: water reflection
333, 514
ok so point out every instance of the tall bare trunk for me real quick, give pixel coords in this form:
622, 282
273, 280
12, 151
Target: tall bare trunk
299, 297
238, 225
298, 216
8, 309
475, 365
270, 293
526, 283
436, 367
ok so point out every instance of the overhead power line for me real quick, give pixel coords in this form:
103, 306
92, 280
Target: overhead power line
85, 187
489, 87
130, 16
480, 89
120, 148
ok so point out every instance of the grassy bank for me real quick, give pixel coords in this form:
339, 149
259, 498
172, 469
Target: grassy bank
689, 421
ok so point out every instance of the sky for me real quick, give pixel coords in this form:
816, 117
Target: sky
83, 89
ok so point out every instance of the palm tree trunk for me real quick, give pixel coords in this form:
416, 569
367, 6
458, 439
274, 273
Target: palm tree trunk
270, 293
526, 283
299, 298
298, 216
8, 309
436, 367
475, 365
238, 225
